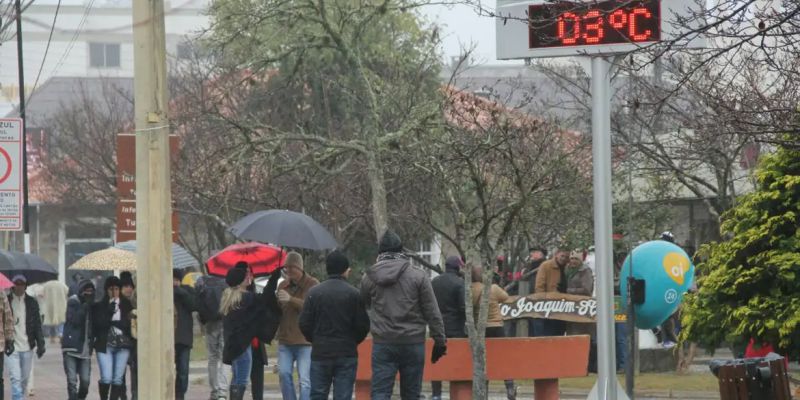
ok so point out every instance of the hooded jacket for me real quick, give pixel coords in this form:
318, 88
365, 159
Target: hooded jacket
580, 282
78, 314
400, 302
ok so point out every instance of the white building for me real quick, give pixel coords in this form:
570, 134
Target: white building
91, 38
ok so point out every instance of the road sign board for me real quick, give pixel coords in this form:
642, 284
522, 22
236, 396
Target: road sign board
544, 28
10, 174
126, 186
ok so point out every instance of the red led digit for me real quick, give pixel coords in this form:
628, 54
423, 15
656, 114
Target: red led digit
618, 19
638, 37
562, 28
593, 32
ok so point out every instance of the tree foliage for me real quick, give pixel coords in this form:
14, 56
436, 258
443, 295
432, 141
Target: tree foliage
749, 282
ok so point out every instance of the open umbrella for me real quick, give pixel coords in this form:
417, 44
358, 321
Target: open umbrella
5, 283
284, 228
181, 258
262, 258
33, 267
110, 259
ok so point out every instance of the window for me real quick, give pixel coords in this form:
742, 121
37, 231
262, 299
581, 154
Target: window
104, 55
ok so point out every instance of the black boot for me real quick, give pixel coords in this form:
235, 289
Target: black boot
104, 389
116, 392
237, 392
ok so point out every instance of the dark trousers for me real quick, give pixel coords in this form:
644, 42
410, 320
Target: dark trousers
182, 353
549, 327
79, 376
622, 350
2, 385
388, 360
341, 372
257, 374
497, 332
133, 367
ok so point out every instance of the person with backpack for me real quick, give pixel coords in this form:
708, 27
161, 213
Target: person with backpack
209, 294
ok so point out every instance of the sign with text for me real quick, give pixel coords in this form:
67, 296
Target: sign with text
10, 174
561, 306
126, 186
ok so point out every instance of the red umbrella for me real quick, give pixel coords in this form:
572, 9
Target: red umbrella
262, 258
5, 283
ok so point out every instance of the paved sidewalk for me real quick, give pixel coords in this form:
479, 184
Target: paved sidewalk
51, 384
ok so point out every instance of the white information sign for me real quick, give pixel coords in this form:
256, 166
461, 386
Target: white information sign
10, 174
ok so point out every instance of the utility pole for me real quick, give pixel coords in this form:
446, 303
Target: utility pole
153, 204
25, 224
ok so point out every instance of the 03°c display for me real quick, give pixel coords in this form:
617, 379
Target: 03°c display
565, 24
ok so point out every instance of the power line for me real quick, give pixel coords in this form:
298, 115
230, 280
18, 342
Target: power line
46, 49
75, 35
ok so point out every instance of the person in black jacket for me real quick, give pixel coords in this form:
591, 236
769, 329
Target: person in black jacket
76, 342
183, 297
28, 336
334, 319
449, 291
111, 328
245, 316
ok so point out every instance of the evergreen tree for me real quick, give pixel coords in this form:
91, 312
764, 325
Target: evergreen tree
749, 282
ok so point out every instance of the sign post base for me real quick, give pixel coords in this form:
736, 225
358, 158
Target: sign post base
595, 393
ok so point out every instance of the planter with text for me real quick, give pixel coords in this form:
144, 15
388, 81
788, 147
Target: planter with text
561, 306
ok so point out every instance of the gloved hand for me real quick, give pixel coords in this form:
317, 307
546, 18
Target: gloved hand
9, 347
283, 296
39, 352
439, 350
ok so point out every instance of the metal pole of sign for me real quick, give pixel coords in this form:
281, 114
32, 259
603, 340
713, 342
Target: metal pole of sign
25, 225
607, 383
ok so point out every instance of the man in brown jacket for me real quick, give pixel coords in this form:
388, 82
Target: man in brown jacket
7, 337
552, 279
292, 345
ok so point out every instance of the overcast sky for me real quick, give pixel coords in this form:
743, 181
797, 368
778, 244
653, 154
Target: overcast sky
463, 27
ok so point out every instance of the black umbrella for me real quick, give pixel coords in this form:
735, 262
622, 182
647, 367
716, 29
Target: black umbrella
284, 228
34, 268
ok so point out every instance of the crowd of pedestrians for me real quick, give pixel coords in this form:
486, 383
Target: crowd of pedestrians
316, 327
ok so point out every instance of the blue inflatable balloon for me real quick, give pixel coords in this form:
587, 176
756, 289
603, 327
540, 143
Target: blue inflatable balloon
668, 273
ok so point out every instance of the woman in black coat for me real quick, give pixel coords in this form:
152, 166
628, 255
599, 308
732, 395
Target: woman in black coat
246, 315
111, 331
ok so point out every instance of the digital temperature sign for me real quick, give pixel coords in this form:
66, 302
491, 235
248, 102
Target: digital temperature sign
565, 24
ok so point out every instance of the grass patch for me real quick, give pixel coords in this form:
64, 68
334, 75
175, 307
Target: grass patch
699, 382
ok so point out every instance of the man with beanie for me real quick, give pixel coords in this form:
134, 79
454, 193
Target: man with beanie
450, 291
76, 342
28, 335
292, 345
335, 321
400, 304
183, 297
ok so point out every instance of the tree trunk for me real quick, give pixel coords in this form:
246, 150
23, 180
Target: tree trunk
380, 215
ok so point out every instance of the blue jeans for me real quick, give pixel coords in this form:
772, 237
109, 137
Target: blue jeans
79, 375
19, 370
287, 356
621, 342
181, 369
339, 371
112, 365
388, 360
241, 368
